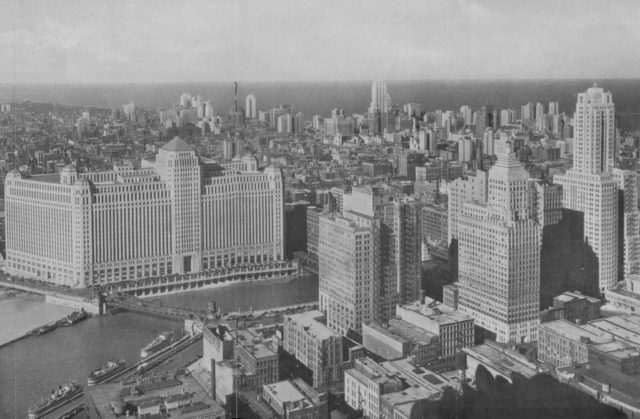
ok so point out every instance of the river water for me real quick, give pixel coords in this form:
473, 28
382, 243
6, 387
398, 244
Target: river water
24, 313
31, 367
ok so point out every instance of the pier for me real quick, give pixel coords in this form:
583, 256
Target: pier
76, 404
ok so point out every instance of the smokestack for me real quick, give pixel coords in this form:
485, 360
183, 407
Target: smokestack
213, 378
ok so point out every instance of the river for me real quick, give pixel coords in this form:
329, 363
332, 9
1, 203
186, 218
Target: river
31, 367
25, 312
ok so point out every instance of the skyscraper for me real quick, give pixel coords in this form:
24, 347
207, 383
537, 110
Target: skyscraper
347, 267
499, 255
398, 267
380, 99
589, 186
250, 106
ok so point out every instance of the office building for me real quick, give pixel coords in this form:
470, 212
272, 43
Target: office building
177, 215
499, 255
295, 399
315, 345
454, 328
399, 244
572, 306
589, 186
394, 389
348, 284
428, 332
244, 359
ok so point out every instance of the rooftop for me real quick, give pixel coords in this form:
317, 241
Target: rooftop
285, 392
625, 327
199, 402
503, 360
48, 178
573, 295
177, 144
576, 332
437, 311
312, 325
403, 331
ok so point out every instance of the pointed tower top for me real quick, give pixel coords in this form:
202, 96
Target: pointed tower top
177, 144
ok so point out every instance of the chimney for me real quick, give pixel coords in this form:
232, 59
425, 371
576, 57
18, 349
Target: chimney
213, 378
422, 296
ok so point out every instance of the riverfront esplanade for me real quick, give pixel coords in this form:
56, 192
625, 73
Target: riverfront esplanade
180, 214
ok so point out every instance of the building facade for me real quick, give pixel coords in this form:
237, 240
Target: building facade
177, 215
347, 270
499, 255
315, 345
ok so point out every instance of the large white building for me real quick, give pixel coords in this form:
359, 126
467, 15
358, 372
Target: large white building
589, 186
499, 255
177, 215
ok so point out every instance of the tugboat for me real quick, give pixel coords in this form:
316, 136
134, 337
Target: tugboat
108, 370
73, 318
161, 341
58, 396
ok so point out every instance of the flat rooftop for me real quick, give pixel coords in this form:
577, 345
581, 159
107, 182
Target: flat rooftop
313, 326
285, 392
437, 311
574, 295
502, 360
576, 332
417, 377
625, 327
48, 178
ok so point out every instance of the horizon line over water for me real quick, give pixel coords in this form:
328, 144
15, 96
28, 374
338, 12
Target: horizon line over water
320, 97
366, 81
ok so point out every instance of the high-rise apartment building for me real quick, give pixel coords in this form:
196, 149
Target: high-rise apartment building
499, 255
177, 215
250, 106
589, 186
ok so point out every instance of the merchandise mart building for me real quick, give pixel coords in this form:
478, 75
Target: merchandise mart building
178, 216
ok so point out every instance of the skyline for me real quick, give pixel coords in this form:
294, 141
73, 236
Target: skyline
71, 42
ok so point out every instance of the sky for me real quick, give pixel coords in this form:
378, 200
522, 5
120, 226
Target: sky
156, 41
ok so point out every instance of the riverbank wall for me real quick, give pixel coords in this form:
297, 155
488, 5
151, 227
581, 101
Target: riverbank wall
92, 307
